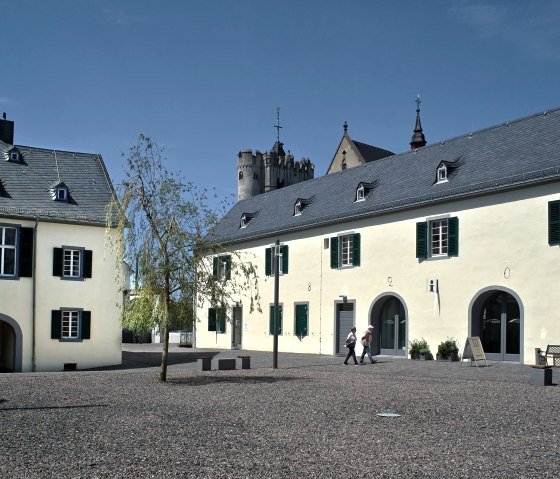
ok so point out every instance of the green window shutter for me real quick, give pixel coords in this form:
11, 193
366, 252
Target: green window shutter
57, 262
222, 320
285, 259
56, 324
301, 319
25, 254
334, 252
453, 236
422, 240
211, 319
268, 261
86, 324
228, 267
215, 267
87, 263
271, 322
356, 249
554, 222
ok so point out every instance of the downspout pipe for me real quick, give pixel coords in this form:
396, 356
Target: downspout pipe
34, 295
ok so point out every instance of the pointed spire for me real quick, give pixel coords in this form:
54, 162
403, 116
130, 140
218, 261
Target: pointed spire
418, 138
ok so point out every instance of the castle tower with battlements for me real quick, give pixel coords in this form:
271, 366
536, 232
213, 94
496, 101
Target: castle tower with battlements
262, 172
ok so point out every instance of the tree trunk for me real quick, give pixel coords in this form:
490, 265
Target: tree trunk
165, 352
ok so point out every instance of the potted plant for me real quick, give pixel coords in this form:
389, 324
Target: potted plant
448, 350
418, 347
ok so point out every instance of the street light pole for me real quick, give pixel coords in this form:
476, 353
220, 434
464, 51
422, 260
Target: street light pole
276, 306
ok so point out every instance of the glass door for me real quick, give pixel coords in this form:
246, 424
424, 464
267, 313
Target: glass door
392, 328
500, 328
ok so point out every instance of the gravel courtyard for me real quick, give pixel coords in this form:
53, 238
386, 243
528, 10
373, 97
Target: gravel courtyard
310, 418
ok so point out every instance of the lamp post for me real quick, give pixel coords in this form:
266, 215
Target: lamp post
277, 254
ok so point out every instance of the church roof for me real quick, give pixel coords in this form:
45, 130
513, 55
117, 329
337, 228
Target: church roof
28, 185
371, 153
507, 156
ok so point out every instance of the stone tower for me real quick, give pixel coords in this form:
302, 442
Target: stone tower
250, 174
262, 172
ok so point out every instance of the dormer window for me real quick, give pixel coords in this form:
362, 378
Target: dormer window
301, 204
245, 218
442, 173
297, 208
364, 189
360, 193
14, 155
59, 192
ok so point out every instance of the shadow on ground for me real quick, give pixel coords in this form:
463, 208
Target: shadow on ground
138, 360
213, 379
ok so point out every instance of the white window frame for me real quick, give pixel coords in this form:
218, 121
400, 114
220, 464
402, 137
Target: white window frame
72, 263
273, 262
5, 248
346, 250
243, 221
70, 325
442, 178
360, 193
438, 237
297, 208
222, 267
14, 156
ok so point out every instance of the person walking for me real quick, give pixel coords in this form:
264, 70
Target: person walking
367, 340
351, 345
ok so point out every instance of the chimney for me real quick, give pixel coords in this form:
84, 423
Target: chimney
6, 130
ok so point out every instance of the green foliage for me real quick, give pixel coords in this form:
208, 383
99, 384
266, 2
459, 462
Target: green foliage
161, 221
448, 348
418, 346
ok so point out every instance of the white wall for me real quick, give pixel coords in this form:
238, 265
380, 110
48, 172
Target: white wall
98, 294
506, 230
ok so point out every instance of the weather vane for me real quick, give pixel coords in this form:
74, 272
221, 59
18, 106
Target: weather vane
418, 102
277, 126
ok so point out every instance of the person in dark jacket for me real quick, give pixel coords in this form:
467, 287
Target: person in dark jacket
351, 345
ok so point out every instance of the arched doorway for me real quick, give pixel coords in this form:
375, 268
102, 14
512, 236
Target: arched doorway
10, 345
497, 318
389, 318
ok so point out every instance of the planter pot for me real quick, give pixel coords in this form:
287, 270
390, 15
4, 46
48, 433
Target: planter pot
414, 356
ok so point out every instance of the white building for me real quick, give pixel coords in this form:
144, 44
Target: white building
454, 239
58, 295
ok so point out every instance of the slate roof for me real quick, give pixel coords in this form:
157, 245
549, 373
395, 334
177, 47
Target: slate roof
511, 155
27, 185
371, 153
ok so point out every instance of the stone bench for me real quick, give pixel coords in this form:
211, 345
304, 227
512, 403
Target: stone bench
205, 363
224, 364
245, 361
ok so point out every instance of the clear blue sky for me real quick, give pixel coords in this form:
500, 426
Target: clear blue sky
204, 78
